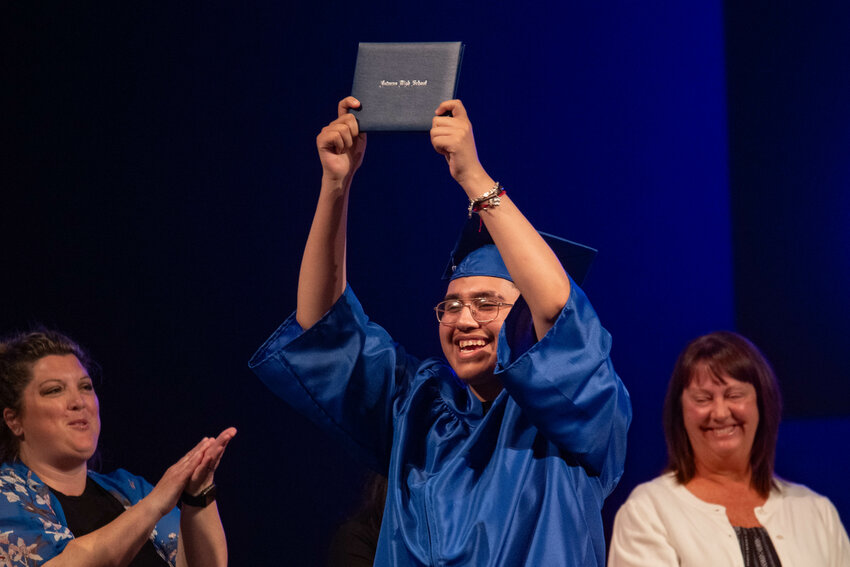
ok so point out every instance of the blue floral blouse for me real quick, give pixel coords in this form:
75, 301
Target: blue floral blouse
33, 529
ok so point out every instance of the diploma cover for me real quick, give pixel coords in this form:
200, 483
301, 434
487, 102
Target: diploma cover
400, 85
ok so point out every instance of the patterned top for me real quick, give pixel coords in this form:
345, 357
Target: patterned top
756, 547
33, 528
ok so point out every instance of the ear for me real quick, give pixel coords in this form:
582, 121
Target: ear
13, 421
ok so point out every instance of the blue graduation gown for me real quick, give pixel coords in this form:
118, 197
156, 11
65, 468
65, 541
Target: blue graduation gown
522, 484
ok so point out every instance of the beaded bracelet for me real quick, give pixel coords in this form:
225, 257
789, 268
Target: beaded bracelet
491, 198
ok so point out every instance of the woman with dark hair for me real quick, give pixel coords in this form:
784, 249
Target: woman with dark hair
54, 511
720, 503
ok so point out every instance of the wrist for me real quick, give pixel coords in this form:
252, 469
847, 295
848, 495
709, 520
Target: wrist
475, 185
154, 506
200, 500
492, 198
333, 184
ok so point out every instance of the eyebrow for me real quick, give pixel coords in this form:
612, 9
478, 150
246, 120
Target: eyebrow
475, 295
62, 381
725, 386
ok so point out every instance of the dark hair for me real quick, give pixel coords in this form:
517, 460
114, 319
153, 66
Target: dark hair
724, 353
18, 354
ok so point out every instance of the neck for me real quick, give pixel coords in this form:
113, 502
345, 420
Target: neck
731, 489
69, 480
486, 392
725, 474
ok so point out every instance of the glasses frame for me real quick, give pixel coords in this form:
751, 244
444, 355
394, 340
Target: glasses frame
472, 311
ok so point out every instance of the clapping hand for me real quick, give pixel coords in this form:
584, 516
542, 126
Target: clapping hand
192, 473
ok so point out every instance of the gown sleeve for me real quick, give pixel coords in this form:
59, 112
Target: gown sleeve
343, 374
566, 385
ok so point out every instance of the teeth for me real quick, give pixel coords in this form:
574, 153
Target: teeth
471, 343
724, 431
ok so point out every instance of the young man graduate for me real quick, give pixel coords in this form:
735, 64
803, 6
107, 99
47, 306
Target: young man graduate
503, 452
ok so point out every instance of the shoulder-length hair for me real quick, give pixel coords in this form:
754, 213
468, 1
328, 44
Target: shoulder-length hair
724, 353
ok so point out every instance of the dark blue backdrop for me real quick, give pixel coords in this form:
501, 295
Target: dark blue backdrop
159, 178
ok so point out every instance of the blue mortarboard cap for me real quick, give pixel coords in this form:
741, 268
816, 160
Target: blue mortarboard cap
475, 254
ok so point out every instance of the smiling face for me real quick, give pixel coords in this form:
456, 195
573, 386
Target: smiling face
721, 418
59, 421
470, 346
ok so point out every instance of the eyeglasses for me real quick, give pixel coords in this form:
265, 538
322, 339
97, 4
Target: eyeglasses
482, 309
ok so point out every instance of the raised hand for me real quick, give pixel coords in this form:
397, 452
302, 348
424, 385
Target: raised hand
452, 137
341, 145
195, 467
212, 451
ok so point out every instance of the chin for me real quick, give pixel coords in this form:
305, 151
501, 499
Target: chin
482, 379
86, 452
472, 374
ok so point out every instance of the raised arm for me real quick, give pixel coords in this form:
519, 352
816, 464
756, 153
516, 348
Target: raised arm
202, 542
533, 266
322, 278
118, 542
